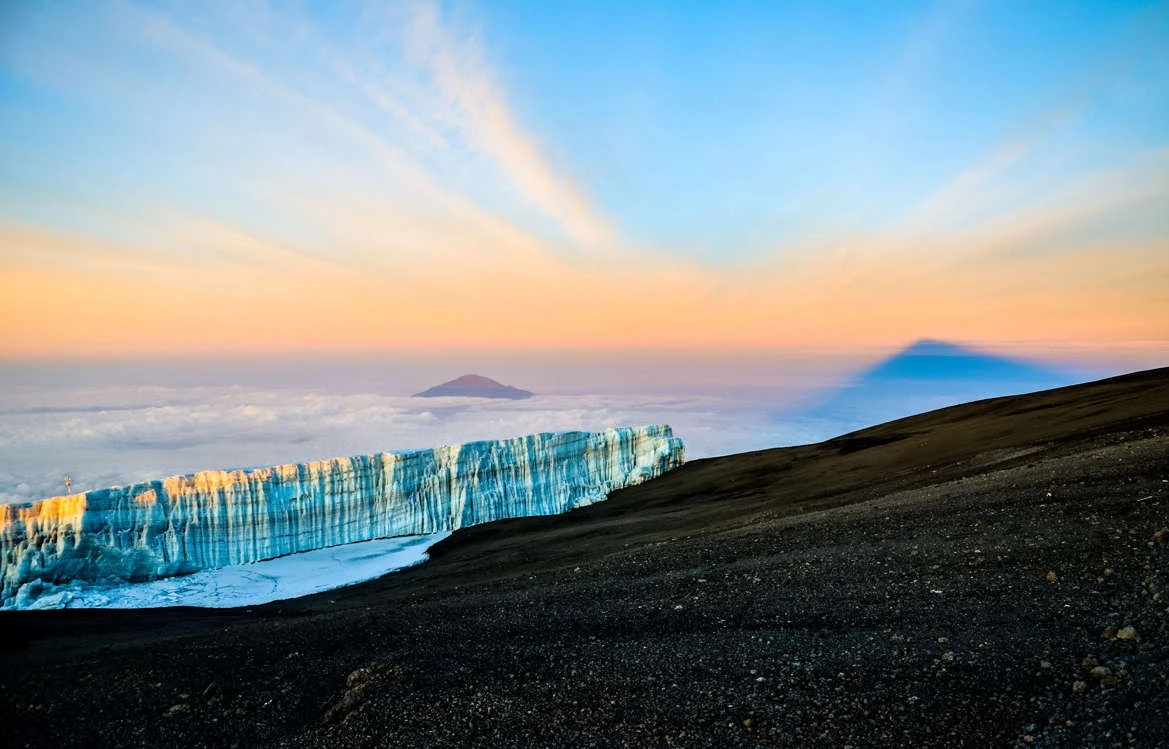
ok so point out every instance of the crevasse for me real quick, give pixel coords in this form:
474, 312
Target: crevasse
213, 519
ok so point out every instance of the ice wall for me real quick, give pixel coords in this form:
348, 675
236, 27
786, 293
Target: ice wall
218, 518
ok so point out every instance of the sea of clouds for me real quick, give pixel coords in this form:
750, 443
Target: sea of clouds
111, 434
113, 424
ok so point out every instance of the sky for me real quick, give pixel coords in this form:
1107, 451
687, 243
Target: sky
566, 179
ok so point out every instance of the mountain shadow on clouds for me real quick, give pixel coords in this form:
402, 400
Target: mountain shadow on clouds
941, 362
928, 375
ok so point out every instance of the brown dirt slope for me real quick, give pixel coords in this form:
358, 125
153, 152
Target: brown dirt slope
989, 574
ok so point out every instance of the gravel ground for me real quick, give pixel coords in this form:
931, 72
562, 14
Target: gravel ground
949, 580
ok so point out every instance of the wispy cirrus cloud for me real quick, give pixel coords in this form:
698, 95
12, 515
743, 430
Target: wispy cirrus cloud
387, 155
460, 97
955, 199
979, 185
487, 121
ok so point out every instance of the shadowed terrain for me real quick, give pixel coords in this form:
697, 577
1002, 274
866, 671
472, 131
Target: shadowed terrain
989, 574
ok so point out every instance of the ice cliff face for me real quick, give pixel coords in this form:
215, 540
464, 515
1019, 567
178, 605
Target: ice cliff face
218, 518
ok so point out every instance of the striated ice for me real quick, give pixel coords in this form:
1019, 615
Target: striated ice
214, 519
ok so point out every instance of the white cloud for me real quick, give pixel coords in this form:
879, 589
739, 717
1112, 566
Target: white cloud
115, 435
102, 429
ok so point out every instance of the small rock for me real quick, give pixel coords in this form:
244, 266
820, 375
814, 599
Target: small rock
176, 710
1079, 687
747, 722
948, 656
1089, 662
1109, 633
1052, 577
943, 640
213, 694
1127, 633
349, 701
1099, 672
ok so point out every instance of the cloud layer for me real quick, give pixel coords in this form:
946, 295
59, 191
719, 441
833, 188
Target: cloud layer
134, 421
111, 436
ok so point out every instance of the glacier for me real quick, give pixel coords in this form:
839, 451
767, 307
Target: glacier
213, 519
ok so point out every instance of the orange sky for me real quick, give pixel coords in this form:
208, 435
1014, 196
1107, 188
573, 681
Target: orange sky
64, 296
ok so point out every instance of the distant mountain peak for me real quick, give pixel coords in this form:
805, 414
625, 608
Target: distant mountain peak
474, 380
474, 386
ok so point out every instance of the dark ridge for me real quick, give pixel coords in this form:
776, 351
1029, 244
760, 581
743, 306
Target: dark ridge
845, 445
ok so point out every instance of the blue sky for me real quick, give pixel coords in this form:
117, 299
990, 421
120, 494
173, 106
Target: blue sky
725, 156
736, 127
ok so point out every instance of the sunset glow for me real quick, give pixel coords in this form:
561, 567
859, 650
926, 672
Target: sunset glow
242, 179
